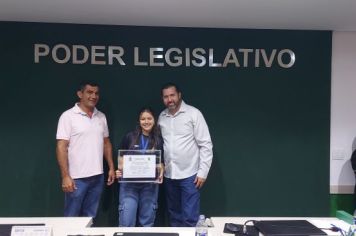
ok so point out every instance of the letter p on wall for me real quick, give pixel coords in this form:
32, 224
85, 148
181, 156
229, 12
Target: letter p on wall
40, 51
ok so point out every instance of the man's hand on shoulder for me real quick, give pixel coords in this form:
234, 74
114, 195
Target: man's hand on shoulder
199, 182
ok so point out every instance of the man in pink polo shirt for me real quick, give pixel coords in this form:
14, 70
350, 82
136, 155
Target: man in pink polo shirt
82, 141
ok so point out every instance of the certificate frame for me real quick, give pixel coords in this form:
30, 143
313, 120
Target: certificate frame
139, 166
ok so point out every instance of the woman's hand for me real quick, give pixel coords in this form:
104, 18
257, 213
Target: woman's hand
118, 174
160, 178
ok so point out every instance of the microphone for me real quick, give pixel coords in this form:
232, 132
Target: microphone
244, 227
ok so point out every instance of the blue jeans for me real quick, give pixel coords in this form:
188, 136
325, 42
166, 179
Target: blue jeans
141, 198
84, 201
183, 201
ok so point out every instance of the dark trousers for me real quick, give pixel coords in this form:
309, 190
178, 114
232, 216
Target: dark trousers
84, 200
183, 201
138, 198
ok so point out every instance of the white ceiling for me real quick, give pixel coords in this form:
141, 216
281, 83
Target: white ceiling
338, 15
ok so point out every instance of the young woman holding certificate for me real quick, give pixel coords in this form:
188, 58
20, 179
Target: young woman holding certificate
139, 200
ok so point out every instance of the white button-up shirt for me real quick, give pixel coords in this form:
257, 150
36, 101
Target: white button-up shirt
86, 141
187, 143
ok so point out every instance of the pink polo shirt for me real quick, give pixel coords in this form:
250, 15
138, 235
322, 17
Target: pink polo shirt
86, 141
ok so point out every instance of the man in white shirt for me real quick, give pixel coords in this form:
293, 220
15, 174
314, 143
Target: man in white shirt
82, 141
187, 155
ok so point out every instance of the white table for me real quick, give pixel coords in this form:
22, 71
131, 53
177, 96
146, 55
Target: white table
109, 231
320, 222
57, 223
63, 226
52, 221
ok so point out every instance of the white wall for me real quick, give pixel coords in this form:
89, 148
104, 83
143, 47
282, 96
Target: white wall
343, 112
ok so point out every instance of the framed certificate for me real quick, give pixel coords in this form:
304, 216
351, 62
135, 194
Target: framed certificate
139, 166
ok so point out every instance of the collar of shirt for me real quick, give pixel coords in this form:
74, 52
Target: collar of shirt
78, 110
182, 108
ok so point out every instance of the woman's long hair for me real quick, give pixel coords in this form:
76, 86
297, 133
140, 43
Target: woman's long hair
154, 136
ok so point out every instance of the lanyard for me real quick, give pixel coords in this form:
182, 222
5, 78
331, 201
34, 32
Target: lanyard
143, 143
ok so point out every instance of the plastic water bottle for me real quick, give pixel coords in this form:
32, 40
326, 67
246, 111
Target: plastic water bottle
352, 229
201, 228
